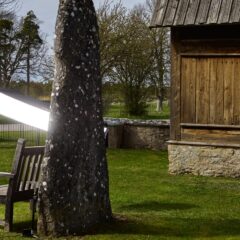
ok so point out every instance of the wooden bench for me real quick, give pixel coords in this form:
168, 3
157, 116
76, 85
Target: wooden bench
23, 179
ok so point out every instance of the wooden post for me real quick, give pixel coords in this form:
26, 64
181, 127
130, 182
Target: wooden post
175, 133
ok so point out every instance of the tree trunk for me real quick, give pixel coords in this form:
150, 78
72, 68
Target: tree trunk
160, 100
74, 193
1, 78
28, 70
6, 81
159, 104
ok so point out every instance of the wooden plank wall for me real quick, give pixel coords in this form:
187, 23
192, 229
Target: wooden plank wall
236, 94
188, 86
202, 91
210, 90
216, 91
205, 79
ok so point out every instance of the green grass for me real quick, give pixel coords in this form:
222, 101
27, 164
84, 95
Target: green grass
4, 120
32, 137
6, 155
117, 111
150, 204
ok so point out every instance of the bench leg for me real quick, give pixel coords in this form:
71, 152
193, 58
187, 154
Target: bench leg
8, 217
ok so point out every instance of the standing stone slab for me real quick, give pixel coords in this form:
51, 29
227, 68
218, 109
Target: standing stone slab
74, 195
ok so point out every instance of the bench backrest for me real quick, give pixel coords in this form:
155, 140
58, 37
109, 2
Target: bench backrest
26, 168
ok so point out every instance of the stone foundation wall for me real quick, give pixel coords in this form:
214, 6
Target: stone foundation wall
204, 160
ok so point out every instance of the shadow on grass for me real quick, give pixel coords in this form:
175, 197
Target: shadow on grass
17, 231
163, 227
18, 227
174, 227
157, 206
124, 227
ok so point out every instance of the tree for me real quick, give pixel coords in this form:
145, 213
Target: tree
74, 194
11, 51
22, 50
111, 19
161, 64
6, 3
160, 39
132, 55
32, 43
46, 71
7, 8
134, 68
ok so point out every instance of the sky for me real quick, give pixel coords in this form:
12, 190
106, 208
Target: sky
46, 11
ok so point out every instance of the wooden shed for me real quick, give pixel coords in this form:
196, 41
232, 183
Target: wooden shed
205, 85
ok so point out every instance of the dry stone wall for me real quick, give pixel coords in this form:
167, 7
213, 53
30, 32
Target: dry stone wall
137, 134
146, 136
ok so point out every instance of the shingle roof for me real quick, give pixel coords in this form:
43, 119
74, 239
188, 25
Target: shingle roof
169, 13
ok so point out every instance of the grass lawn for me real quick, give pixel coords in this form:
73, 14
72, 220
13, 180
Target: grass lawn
117, 111
153, 205
4, 120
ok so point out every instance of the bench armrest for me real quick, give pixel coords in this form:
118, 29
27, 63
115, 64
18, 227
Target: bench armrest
6, 174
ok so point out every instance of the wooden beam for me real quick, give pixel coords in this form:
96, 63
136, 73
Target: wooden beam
208, 126
204, 144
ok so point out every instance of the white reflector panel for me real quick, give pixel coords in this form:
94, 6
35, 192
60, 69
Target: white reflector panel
23, 112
